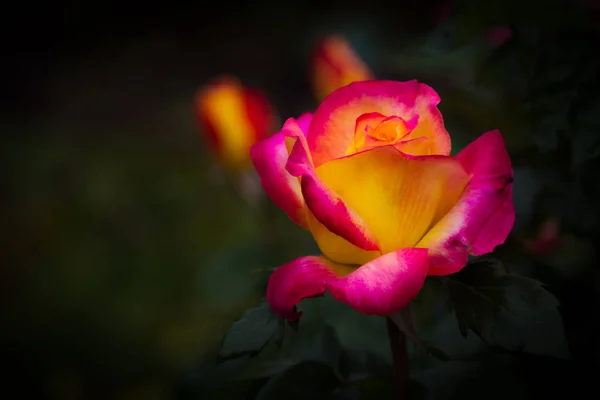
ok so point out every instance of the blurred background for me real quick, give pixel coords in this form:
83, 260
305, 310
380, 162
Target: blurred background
128, 252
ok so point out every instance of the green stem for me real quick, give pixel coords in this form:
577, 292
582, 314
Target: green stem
400, 358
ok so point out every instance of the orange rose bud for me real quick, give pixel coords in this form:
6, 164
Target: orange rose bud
232, 118
336, 64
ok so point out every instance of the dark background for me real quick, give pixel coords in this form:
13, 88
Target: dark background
125, 260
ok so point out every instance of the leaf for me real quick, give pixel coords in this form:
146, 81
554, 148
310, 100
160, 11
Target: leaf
315, 342
250, 334
405, 321
308, 380
508, 311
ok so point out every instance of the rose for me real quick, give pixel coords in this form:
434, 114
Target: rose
336, 64
369, 174
232, 119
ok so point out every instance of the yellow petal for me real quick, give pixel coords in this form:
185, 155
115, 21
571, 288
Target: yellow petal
337, 248
399, 197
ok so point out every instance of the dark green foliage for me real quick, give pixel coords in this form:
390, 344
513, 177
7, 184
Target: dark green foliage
251, 333
508, 311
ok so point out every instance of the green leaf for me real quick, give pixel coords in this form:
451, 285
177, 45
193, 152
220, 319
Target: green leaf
314, 342
507, 311
405, 321
308, 380
250, 334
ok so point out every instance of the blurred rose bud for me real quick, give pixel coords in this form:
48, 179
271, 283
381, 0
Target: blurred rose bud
498, 35
546, 239
232, 118
336, 64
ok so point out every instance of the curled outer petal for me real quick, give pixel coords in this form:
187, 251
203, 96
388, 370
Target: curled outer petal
484, 215
332, 129
381, 287
304, 121
232, 119
270, 157
326, 206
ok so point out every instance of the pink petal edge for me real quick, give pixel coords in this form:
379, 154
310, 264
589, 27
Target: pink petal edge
332, 128
304, 121
269, 157
381, 287
327, 207
484, 216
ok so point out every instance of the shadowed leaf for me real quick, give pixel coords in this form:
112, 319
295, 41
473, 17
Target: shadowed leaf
250, 334
509, 311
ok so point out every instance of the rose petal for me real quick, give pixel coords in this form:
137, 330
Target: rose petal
398, 196
304, 121
419, 145
485, 214
332, 128
326, 206
431, 123
269, 158
382, 286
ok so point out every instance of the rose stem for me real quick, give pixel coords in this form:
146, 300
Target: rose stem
400, 358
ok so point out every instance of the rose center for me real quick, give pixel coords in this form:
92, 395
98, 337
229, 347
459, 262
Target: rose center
391, 130
374, 130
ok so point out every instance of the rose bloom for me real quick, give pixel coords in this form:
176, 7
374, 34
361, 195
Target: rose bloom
336, 64
232, 118
370, 176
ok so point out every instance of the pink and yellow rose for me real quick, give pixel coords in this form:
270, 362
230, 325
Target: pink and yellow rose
233, 118
336, 64
370, 176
